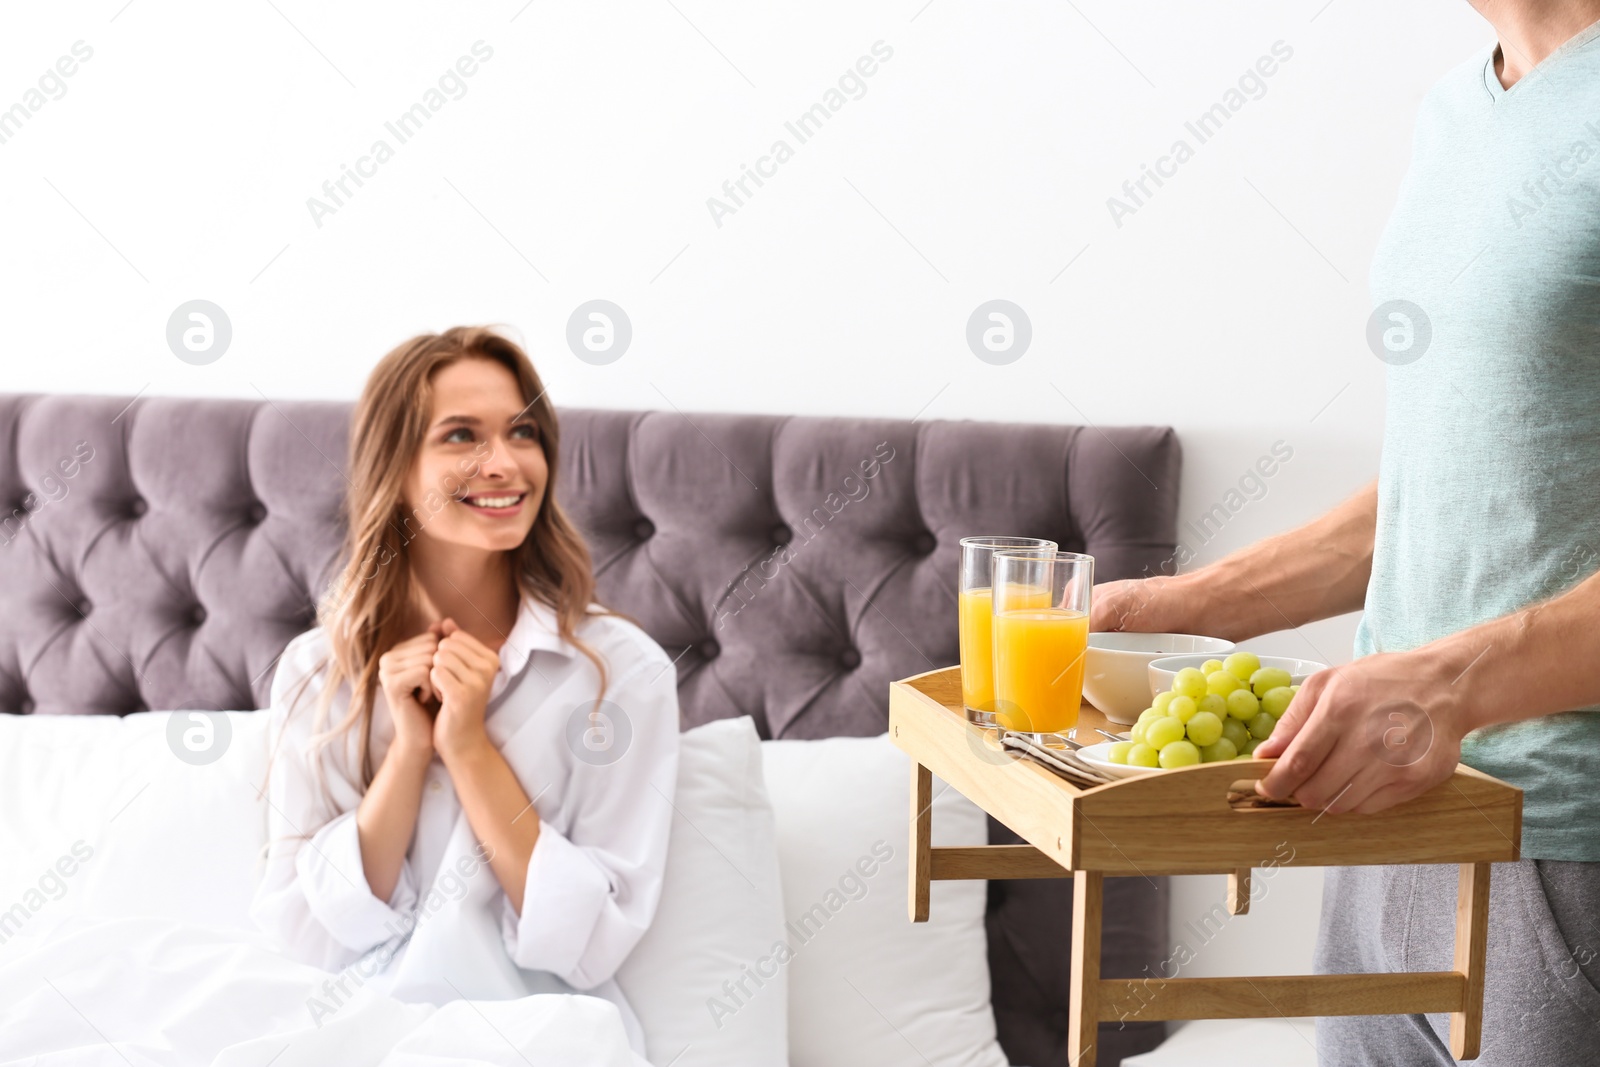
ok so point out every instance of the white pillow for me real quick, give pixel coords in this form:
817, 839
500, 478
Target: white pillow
868, 987
188, 840
57, 775
142, 831
720, 913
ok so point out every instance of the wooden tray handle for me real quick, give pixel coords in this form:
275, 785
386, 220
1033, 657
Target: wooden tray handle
1204, 785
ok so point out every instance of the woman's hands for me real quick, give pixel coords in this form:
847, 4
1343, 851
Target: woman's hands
462, 673
437, 685
405, 672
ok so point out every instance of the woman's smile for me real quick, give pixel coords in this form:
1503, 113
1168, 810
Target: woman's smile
499, 504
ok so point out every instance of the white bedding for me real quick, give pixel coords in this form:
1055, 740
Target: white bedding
146, 991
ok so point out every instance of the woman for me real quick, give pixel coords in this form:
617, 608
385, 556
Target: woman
472, 783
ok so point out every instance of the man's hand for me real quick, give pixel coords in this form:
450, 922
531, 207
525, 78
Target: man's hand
1369, 735
1158, 605
463, 673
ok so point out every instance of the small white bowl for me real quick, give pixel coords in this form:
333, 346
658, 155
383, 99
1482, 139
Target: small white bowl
1096, 756
1163, 670
1115, 671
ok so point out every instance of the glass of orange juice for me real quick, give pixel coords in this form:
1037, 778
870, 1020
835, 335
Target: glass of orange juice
975, 610
1041, 633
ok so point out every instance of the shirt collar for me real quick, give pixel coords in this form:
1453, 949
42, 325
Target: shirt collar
535, 628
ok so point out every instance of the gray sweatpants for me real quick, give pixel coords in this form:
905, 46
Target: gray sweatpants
1541, 1005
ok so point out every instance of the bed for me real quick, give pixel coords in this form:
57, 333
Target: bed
160, 552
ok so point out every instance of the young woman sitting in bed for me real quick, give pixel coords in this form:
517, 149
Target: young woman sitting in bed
474, 766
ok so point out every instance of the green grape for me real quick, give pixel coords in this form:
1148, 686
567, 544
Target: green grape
1210, 665
1162, 700
1118, 752
1261, 726
1269, 678
1143, 756
1242, 665
1205, 728
1293, 689
1136, 732
1242, 755
1219, 750
1182, 708
1179, 754
1235, 731
1189, 682
1276, 701
1243, 705
1222, 683
1250, 745
1149, 713
1163, 732
1214, 704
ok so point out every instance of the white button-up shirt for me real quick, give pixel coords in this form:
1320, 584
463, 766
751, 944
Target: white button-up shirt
601, 782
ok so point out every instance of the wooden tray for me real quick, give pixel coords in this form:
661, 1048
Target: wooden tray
1181, 822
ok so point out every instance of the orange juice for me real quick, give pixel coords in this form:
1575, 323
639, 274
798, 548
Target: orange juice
975, 610
1038, 668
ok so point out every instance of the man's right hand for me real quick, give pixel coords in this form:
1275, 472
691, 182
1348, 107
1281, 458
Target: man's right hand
1161, 604
403, 673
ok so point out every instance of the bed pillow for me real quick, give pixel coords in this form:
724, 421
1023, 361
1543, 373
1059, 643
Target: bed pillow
188, 842
57, 776
868, 987
132, 827
721, 912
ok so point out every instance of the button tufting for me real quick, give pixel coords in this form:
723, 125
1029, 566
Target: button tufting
84, 606
781, 534
26, 707
709, 649
850, 658
644, 529
137, 507
924, 543
19, 506
257, 513
197, 615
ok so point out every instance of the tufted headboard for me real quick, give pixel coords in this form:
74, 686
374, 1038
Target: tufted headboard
159, 553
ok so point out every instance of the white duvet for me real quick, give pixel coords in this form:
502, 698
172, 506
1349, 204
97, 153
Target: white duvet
145, 992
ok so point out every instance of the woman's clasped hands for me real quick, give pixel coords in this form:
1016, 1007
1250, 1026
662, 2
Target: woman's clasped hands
437, 685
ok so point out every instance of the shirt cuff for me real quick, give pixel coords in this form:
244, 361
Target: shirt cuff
335, 884
565, 894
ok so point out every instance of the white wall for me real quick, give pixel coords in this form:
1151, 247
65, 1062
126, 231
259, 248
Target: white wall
578, 164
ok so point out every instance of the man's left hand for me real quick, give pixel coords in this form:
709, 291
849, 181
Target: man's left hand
1367, 736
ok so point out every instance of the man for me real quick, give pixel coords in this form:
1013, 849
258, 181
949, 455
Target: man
1474, 555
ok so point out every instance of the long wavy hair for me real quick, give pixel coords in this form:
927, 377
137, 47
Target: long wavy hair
365, 607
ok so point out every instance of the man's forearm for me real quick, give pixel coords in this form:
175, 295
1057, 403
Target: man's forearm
1313, 572
1537, 661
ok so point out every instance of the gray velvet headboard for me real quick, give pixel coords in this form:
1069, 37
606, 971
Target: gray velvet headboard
160, 553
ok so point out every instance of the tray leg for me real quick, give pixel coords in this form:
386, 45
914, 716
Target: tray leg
1472, 942
1083, 1024
921, 864
1239, 891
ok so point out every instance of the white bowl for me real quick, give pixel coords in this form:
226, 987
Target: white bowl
1115, 675
1096, 756
1163, 670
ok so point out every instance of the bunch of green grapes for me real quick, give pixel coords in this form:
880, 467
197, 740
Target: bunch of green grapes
1220, 711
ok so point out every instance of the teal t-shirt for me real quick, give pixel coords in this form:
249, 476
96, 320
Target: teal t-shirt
1489, 486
